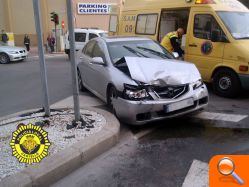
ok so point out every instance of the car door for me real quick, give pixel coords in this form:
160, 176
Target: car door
99, 73
80, 40
201, 51
85, 63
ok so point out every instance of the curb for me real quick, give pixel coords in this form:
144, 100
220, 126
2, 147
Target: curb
64, 162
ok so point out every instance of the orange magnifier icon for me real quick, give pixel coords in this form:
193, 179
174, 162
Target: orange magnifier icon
226, 167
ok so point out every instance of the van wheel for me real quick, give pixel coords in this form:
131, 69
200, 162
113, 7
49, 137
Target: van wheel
80, 82
226, 83
111, 94
4, 58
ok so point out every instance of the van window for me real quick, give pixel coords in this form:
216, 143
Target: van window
204, 25
80, 37
171, 20
237, 23
89, 48
146, 24
91, 36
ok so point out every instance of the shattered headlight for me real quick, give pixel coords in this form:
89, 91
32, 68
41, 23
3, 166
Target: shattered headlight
197, 84
134, 92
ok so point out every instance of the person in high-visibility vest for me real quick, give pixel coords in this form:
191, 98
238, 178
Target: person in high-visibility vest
172, 41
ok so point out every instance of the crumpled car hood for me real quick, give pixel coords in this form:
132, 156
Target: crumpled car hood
163, 72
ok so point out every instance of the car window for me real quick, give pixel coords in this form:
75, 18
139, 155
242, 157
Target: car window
137, 48
80, 37
88, 50
91, 36
103, 34
204, 25
98, 52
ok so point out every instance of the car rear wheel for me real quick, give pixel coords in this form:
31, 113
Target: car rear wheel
226, 83
80, 83
111, 94
4, 58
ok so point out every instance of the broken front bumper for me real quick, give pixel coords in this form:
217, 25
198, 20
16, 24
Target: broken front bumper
141, 112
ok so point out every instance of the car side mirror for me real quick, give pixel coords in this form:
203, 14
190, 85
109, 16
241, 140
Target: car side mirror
175, 54
215, 36
98, 61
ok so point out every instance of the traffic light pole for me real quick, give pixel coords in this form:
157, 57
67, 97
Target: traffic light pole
73, 61
37, 14
55, 37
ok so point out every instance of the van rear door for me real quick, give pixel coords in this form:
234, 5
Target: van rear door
200, 49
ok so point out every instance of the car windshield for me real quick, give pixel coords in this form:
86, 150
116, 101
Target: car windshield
137, 48
103, 34
237, 23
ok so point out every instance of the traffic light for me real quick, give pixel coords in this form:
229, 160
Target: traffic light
54, 18
62, 24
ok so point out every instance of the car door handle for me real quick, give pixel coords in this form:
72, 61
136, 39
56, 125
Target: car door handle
81, 57
192, 45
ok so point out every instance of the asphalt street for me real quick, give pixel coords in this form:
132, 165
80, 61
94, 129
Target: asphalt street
157, 154
20, 83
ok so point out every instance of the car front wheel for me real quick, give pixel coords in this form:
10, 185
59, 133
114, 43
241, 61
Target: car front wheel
111, 94
4, 58
226, 83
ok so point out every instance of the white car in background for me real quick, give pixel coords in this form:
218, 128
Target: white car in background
82, 36
10, 54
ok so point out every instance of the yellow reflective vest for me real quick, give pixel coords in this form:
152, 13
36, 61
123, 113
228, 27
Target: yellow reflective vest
166, 41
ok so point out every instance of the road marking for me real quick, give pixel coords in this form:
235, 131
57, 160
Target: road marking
220, 116
197, 175
143, 133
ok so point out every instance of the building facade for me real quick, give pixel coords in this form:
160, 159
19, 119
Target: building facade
17, 16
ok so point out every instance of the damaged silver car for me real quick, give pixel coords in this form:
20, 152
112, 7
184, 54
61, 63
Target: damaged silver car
139, 79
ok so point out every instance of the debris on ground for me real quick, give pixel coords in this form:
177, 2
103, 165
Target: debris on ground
58, 134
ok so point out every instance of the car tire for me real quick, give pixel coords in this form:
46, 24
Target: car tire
226, 83
111, 93
4, 58
80, 82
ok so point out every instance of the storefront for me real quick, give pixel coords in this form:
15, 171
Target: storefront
18, 17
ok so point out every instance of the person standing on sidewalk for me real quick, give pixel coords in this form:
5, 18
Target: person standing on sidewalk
51, 42
27, 42
4, 38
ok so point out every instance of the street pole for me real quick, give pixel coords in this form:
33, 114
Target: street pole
73, 61
37, 14
55, 37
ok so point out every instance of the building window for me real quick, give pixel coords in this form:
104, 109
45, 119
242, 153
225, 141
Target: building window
80, 37
146, 24
204, 25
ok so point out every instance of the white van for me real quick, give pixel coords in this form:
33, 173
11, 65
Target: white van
82, 36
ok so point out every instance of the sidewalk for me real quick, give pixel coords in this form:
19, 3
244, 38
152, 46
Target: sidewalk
34, 52
62, 163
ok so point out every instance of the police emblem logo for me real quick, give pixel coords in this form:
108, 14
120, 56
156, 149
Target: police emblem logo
30, 144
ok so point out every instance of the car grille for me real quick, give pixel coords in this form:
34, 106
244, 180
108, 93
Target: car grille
171, 92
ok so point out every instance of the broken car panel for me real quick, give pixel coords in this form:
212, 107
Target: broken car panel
140, 80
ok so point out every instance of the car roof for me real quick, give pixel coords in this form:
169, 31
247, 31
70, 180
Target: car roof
109, 39
88, 30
